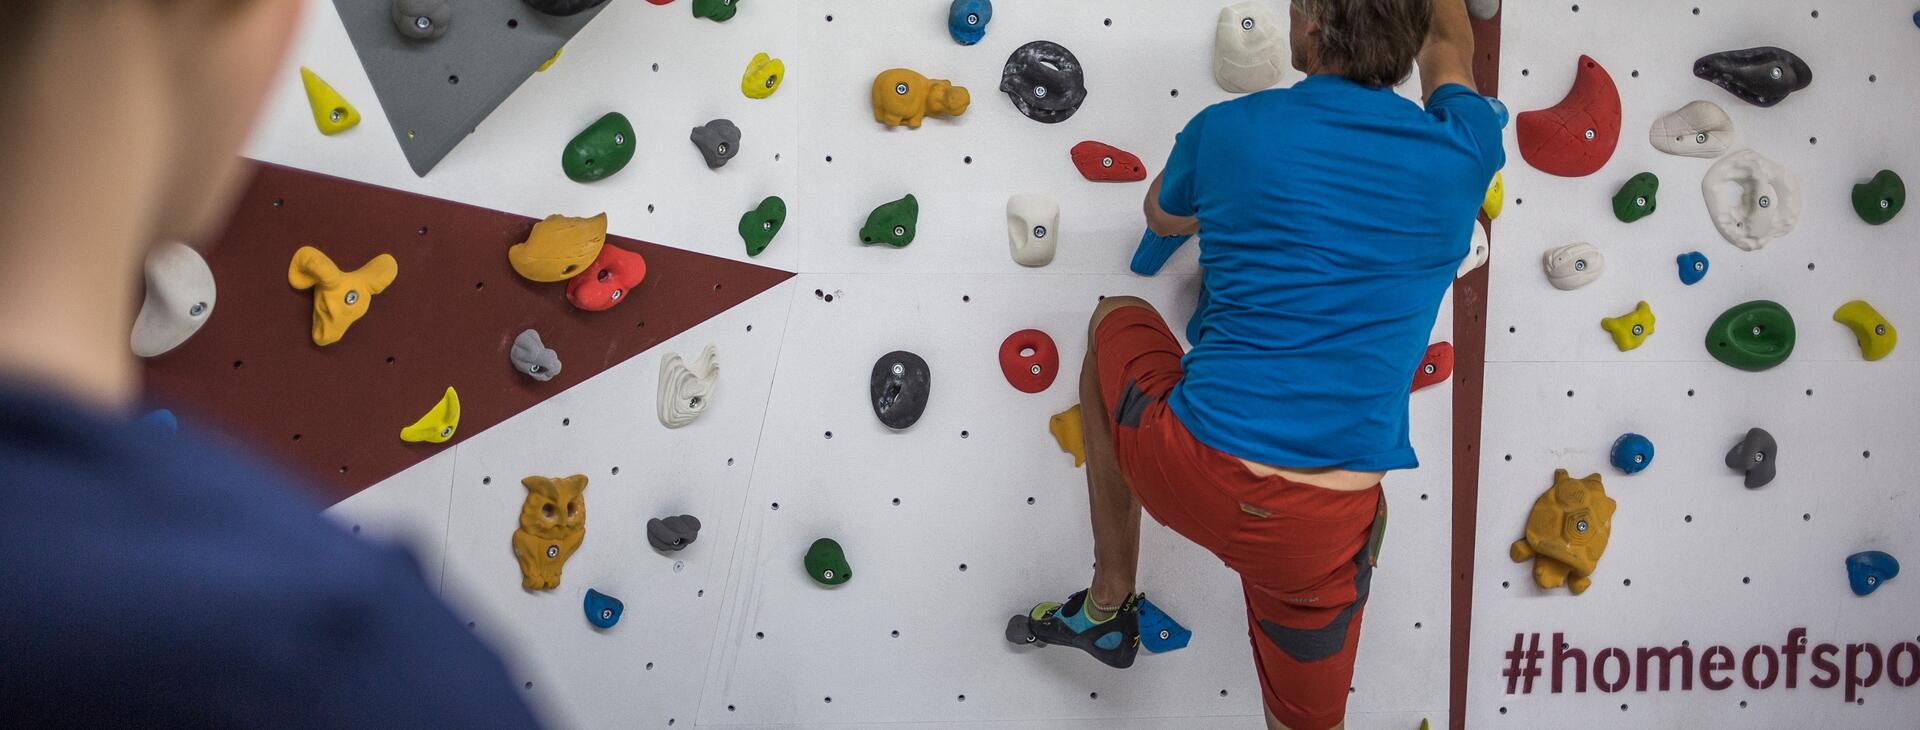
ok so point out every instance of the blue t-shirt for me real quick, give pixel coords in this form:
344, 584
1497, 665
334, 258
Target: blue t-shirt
1332, 219
156, 581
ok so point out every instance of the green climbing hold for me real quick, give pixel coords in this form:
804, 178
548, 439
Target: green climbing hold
1753, 336
760, 225
1636, 198
827, 563
600, 150
719, 11
1880, 199
892, 223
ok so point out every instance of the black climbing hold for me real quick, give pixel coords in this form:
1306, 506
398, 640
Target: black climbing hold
899, 386
1755, 456
673, 534
1045, 82
1762, 76
564, 7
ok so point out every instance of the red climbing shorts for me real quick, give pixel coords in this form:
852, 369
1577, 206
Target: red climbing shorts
1304, 553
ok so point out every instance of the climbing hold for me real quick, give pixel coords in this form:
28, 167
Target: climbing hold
718, 11
718, 141
763, 76
967, 20
602, 149
1029, 360
331, 112
827, 563
673, 534
1483, 9
1159, 633
1636, 198
1033, 227
1755, 456
1876, 335
1752, 199
1435, 366
547, 64
531, 356
1762, 76
892, 223
1249, 48
159, 422
1478, 249
900, 386
340, 298
564, 7
1699, 129
1499, 111
422, 19
1573, 266
553, 521
760, 225
1630, 330
1866, 571
609, 280
1880, 199
1631, 453
1045, 82
1752, 336
901, 96
685, 390
1101, 162
559, 247
179, 299
438, 424
603, 611
1576, 136
1065, 427
1153, 252
1567, 532
1693, 267
1496, 198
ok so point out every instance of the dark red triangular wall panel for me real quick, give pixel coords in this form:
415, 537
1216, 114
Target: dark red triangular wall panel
334, 413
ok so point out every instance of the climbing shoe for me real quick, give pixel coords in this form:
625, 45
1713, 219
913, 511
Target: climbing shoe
1114, 641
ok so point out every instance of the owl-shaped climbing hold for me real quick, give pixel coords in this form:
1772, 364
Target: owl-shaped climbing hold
1567, 532
553, 521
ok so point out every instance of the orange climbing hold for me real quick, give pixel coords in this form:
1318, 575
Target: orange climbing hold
1065, 427
1575, 137
559, 247
340, 298
1567, 532
553, 522
901, 96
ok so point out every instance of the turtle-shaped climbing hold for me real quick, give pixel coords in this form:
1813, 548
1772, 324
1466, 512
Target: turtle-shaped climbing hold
1567, 532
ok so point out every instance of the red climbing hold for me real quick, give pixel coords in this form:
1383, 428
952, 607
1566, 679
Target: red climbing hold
609, 280
1102, 162
1576, 136
1435, 367
1029, 360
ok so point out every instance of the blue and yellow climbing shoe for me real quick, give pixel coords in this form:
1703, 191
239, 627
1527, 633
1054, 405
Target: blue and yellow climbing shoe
1114, 641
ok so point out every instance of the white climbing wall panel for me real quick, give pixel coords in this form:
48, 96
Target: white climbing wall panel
731, 632
1696, 560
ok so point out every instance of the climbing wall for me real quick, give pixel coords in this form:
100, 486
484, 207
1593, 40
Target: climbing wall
1699, 566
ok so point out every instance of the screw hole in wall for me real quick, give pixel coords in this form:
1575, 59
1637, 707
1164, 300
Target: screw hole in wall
1029, 500
423, 230
453, 79
829, 434
776, 506
1107, 22
1687, 518
486, 480
296, 437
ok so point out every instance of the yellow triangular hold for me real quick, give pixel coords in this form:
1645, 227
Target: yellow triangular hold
439, 424
550, 59
331, 112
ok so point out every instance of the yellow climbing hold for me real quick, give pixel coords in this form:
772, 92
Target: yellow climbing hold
331, 112
438, 425
550, 59
1065, 426
1630, 330
1496, 197
1877, 336
340, 298
559, 247
763, 76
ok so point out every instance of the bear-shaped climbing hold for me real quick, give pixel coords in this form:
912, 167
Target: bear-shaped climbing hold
179, 299
893, 224
1567, 532
1102, 162
609, 280
340, 298
903, 97
1699, 129
553, 522
1030, 360
763, 76
1632, 329
439, 423
1756, 457
1575, 137
559, 248
1573, 266
1435, 366
1762, 76
1752, 199
1065, 427
1045, 82
1876, 335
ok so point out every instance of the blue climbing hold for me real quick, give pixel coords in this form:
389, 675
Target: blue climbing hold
1631, 453
1159, 633
967, 20
1154, 251
1866, 571
603, 611
1499, 110
1916, 18
1693, 267
158, 423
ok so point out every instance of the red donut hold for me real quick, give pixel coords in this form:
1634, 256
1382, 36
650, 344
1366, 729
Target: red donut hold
1029, 360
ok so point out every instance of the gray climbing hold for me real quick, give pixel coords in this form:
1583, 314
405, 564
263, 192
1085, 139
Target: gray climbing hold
1755, 456
534, 358
422, 19
1483, 9
718, 141
1045, 82
673, 534
563, 7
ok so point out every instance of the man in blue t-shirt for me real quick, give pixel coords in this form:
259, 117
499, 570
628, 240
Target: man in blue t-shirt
150, 580
1332, 216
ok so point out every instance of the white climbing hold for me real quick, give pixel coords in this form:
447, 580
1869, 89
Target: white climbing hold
179, 299
686, 390
1699, 129
1753, 200
1249, 48
1477, 252
1573, 266
1033, 228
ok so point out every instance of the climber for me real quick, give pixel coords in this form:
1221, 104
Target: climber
155, 580
1332, 216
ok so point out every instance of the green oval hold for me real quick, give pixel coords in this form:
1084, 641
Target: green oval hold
1636, 198
827, 563
602, 149
1880, 199
893, 223
718, 11
1753, 336
760, 225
